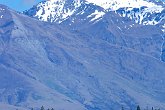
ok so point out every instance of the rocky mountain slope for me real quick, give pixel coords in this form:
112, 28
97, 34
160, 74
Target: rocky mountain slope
94, 59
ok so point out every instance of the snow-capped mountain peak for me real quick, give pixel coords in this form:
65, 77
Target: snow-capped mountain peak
52, 10
140, 11
116, 4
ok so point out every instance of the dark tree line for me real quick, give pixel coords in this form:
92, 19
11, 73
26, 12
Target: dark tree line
42, 108
138, 108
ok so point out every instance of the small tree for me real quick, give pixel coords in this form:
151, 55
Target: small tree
52, 109
122, 108
42, 108
152, 108
138, 107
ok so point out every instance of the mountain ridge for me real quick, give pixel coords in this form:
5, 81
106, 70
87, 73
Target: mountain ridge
146, 8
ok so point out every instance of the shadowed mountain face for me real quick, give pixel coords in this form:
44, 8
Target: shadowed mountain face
27, 78
80, 64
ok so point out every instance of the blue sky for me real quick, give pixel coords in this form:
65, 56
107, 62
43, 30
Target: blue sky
19, 5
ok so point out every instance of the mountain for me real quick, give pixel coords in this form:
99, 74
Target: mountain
89, 59
143, 12
60, 10
89, 13
53, 10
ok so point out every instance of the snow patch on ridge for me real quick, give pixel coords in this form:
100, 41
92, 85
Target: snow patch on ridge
96, 15
143, 15
1, 12
163, 28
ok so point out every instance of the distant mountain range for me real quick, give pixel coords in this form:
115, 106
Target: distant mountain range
141, 11
83, 55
